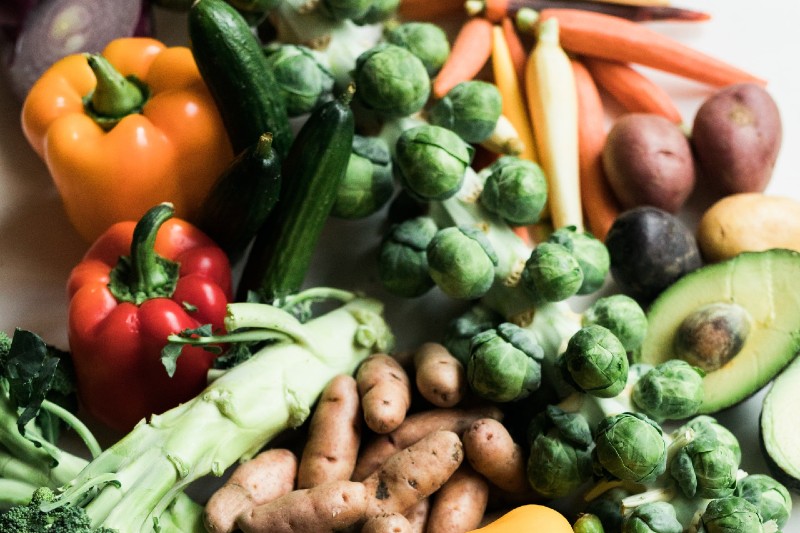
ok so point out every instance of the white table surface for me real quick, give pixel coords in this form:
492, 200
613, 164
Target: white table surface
38, 247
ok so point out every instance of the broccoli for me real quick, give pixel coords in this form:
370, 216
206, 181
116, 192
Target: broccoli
30, 518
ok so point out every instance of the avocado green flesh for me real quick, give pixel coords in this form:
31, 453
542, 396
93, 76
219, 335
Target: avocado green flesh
780, 438
767, 285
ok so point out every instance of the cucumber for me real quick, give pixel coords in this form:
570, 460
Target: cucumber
242, 198
281, 253
233, 66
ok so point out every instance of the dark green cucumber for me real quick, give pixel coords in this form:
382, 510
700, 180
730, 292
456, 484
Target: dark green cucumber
281, 253
242, 198
235, 70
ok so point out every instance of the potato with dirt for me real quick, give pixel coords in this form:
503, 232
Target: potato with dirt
772, 221
648, 161
413, 474
264, 478
334, 435
736, 137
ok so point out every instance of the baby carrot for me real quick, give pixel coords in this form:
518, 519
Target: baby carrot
471, 49
553, 107
609, 37
600, 205
634, 91
514, 107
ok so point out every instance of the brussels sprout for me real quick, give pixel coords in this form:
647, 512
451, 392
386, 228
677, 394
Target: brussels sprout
367, 184
588, 523
345, 9
591, 253
704, 423
622, 315
630, 447
403, 263
302, 79
770, 497
431, 161
653, 517
556, 468
379, 11
460, 331
712, 335
461, 262
706, 467
608, 508
470, 109
425, 40
552, 273
515, 190
391, 81
571, 427
731, 514
504, 364
596, 362
670, 391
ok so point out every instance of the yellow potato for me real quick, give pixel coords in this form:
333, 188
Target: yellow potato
748, 222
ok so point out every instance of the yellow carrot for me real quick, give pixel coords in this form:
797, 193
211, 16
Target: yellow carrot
553, 107
514, 107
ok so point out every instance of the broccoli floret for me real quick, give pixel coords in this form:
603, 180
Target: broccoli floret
30, 518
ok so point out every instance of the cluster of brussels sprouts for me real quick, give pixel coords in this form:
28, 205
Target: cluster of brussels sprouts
605, 429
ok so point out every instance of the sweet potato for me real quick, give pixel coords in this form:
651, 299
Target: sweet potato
648, 161
492, 452
264, 478
459, 505
334, 435
413, 474
322, 509
440, 377
414, 428
387, 523
736, 135
385, 392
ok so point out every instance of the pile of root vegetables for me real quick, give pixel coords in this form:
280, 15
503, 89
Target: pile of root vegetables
398, 447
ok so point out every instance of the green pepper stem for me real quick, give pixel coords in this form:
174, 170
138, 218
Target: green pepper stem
114, 96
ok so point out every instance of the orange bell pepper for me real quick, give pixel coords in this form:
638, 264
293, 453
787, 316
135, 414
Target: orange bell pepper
167, 142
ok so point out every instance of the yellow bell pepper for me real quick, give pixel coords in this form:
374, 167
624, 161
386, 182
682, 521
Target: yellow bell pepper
125, 130
531, 518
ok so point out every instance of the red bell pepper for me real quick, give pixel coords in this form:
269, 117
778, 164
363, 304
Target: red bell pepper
122, 308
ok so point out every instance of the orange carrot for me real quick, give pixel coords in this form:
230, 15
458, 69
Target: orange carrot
429, 10
514, 107
614, 38
495, 10
471, 49
599, 204
633, 90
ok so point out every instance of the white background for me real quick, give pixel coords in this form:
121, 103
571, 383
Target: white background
38, 247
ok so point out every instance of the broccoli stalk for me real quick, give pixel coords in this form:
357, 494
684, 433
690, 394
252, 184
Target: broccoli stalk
130, 485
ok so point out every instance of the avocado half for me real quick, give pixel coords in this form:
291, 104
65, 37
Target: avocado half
780, 440
766, 285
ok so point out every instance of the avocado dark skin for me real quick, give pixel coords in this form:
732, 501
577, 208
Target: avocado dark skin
650, 249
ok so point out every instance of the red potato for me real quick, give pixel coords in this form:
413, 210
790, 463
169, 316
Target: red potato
322, 509
264, 478
736, 136
459, 505
648, 161
492, 452
439, 376
385, 392
334, 435
416, 427
413, 473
